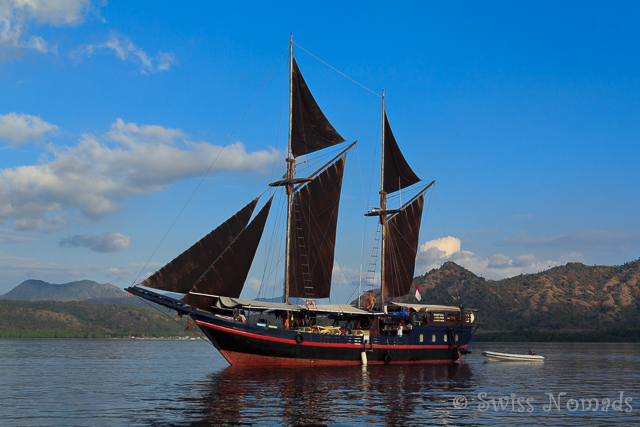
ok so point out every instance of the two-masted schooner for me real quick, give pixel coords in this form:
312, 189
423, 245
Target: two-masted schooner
212, 273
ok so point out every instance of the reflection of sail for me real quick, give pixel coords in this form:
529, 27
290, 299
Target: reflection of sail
310, 129
403, 230
182, 273
313, 233
397, 172
405, 395
226, 276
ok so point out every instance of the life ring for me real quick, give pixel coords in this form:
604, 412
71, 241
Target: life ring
387, 359
369, 302
312, 302
299, 338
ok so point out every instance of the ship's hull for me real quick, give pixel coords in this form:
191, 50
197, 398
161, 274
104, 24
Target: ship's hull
243, 344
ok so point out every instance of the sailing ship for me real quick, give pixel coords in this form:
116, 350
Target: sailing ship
211, 274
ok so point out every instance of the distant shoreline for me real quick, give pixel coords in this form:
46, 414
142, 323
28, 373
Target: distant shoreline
62, 333
603, 336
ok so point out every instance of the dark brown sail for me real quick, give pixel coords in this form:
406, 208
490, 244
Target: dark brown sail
313, 233
397, 172
310, 129
227, 274
403, 231
184, 271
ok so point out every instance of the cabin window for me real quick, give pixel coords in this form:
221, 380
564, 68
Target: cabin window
445, 338
421, 338
433, 338
456, 337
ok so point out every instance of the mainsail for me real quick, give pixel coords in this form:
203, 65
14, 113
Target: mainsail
313, 233
182, 273
403, 230
227, 274
397, 172
310, 129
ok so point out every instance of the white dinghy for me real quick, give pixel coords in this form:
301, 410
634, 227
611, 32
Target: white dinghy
506, 357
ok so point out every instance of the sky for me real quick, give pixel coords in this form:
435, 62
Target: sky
527, 115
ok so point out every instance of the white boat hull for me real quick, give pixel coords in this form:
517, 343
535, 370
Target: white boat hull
506, 357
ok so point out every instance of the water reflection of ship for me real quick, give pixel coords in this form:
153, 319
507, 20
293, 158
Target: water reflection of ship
398, 395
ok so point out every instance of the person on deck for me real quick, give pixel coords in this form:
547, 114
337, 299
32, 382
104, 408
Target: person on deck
369, 302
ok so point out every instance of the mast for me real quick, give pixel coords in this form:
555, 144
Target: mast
383, 216
290, 165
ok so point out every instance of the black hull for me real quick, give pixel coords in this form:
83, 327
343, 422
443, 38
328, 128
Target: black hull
243, 344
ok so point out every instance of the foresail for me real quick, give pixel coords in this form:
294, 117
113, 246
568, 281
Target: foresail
184, 271
313, 233
227, 274
310, 129
403, 231
397, 172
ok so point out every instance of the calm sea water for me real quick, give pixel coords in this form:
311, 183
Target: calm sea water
187, 383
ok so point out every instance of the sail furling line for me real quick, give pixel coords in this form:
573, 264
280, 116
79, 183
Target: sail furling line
227, 275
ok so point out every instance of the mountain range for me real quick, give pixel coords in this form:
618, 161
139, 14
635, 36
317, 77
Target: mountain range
82, 290
572, 297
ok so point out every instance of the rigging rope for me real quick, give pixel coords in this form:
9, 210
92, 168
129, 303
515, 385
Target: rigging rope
208, 170
175, 320
338, 71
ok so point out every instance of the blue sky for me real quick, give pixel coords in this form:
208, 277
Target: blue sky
525, 114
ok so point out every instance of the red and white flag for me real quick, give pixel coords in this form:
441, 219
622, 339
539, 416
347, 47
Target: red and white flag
418, 296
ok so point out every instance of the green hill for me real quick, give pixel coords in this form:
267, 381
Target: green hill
573, 297
78, 319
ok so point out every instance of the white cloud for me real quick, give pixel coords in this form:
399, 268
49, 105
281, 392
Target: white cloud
118, 274
17, 16
108, 242
46, 223
448, 245
253, 284
18, 128
126, 50
11, 237
98, 173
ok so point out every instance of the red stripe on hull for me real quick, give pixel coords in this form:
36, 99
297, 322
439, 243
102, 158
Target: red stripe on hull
243, 359
318, 344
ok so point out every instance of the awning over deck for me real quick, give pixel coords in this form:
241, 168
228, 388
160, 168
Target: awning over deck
425, 307
226, 302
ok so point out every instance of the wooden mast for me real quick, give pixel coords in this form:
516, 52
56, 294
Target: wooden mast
290, 166
383, 216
